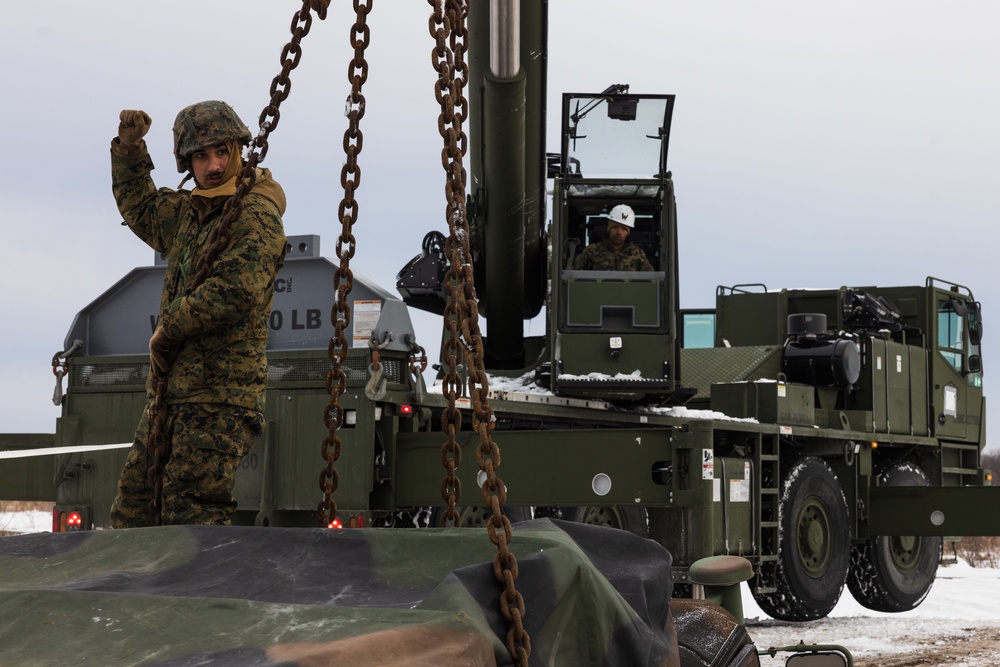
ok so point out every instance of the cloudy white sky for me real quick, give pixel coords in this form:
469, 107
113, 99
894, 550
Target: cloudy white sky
814, 144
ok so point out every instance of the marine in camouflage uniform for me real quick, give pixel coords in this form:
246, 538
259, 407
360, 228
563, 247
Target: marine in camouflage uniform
602, 256
212, 340
615, 253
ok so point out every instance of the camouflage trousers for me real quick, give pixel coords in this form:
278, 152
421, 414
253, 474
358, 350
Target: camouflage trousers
207, 443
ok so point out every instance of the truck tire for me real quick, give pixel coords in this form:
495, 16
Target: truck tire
815, 544
894, 573
632, 519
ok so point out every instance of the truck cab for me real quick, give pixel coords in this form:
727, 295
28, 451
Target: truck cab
612, 334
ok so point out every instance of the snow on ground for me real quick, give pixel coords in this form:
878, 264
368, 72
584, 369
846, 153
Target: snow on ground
26, 522
958, 624
962, 610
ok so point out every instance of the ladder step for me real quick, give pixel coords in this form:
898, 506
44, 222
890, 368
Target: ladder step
960, 471
959, 445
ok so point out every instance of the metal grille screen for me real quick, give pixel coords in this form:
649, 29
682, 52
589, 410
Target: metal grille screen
280, 370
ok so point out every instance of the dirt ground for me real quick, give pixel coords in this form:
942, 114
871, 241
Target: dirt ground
972, 651
881, 642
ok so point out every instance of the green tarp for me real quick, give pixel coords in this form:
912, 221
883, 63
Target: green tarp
208, 595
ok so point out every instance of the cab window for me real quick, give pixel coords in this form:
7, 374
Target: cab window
951, 334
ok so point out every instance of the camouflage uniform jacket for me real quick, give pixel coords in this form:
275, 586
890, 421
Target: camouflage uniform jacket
602, 257
221, 325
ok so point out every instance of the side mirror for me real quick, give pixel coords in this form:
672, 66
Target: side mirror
818, 659
975, 363
813, 655
975, 324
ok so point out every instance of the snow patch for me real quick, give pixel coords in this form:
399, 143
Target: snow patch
26, 522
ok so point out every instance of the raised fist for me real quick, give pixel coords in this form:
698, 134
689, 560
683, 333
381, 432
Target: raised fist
320, 7
133, 126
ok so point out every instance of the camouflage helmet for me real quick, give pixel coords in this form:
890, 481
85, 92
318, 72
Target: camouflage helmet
206, 124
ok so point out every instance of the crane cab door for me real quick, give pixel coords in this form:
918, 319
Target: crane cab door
613, 332
957, 380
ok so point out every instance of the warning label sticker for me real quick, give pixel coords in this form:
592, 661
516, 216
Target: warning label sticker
707, 464
365, 316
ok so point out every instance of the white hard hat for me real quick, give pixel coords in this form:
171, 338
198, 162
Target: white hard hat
622, 215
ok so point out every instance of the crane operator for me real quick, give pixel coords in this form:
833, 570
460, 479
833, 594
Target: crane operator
616, 252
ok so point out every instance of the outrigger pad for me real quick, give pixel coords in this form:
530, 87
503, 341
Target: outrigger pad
227, 595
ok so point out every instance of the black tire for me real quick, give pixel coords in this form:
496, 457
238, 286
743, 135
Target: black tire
895, 573
815, 544
632, 519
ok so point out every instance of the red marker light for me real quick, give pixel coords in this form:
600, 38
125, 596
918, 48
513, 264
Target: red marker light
336, 523
74, 520
406, 410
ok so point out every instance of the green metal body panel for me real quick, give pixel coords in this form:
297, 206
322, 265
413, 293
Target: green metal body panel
27, 478
769, 402
614, 300
701, 368
909, 383
581, 353
894, 383
557, 467
944, 511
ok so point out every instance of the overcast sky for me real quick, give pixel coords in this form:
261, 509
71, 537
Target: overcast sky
814, 144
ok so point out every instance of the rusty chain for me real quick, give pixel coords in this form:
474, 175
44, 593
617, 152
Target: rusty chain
464, 342
455, 144
60, 368
418, 356
343, 279
418, 364
158, 445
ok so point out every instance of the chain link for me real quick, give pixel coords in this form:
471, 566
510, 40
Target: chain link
343, 279
464, 342
158, 447
418, 364
60, 368
418, 357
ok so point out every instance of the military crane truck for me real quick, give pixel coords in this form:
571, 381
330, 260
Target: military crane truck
831, 437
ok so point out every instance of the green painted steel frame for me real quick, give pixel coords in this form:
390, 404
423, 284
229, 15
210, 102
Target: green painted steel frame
945, 511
